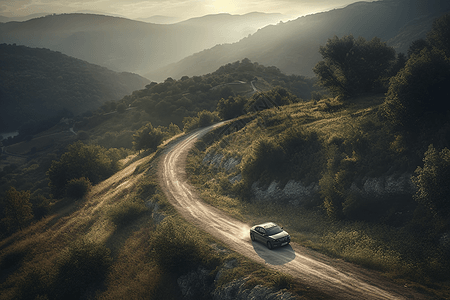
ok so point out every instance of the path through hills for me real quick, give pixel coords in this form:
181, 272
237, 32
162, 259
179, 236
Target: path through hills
338, 279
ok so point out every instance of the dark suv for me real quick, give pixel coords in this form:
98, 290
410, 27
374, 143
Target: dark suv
270, 234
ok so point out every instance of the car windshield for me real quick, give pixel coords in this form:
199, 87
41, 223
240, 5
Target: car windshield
273, 230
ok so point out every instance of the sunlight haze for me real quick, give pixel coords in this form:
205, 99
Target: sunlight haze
177, 9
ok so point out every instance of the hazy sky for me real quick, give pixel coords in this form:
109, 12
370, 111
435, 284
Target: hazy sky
184, 9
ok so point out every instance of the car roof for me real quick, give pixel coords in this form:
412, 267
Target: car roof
268, 225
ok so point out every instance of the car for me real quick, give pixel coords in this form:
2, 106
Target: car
270, 234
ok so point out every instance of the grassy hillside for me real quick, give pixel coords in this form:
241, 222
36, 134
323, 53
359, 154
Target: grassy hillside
39, 84
124, 240
336, 175
293, 46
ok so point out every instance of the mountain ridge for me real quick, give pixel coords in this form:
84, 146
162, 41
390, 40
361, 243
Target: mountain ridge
293, 46
122, 44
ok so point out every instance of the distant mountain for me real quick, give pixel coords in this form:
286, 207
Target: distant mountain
293, 46
127, 45
157, 19
4, 19
36, 84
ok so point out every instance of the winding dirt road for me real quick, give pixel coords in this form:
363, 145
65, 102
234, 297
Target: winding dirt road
338, 279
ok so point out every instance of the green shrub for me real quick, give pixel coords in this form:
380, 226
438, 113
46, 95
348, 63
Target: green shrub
17, 209
179, 247
148, 137
263, 161
41, 206
82, 266
231, 107
204, 118
36, 284
78, 188
432, 182
126, 211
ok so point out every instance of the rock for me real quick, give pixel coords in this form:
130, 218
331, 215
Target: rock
293, 192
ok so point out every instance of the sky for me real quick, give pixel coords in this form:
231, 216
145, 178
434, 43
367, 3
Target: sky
180, 9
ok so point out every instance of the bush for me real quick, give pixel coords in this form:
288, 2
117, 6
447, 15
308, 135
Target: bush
418, 90
148, 137
263, 161
204, 118
78, 188
83, 265
232, 107
179, 247
126, 211
432, 182
17, 209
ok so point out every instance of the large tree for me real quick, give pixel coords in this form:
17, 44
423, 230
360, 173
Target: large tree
90, 161
351, 66
419, 90
147, 137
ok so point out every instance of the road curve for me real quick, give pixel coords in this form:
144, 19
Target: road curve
334, 277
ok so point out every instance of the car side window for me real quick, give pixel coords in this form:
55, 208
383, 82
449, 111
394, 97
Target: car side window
259, 229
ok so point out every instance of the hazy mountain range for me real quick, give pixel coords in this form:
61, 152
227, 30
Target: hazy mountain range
293, 46
158, 51
126, 45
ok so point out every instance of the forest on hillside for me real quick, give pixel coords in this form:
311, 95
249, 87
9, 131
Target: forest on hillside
38, 84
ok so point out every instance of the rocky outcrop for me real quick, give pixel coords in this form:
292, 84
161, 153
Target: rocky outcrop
384, 186
218, 160
293, 192
297, 193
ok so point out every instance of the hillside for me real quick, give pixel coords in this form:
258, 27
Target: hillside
127, 45
293, 46
39, 84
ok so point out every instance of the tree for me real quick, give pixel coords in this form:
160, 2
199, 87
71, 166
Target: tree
121, 108
17, 209
432, 181
353, 65
232, 107
419, 89
439, 35
147, 137
80, 160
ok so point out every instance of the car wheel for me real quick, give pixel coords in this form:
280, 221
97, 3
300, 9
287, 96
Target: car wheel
252, 236
269, 245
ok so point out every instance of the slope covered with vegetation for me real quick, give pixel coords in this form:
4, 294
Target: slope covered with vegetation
38, 84
361, 176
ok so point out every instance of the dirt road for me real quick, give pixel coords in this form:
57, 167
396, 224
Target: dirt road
334, 277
